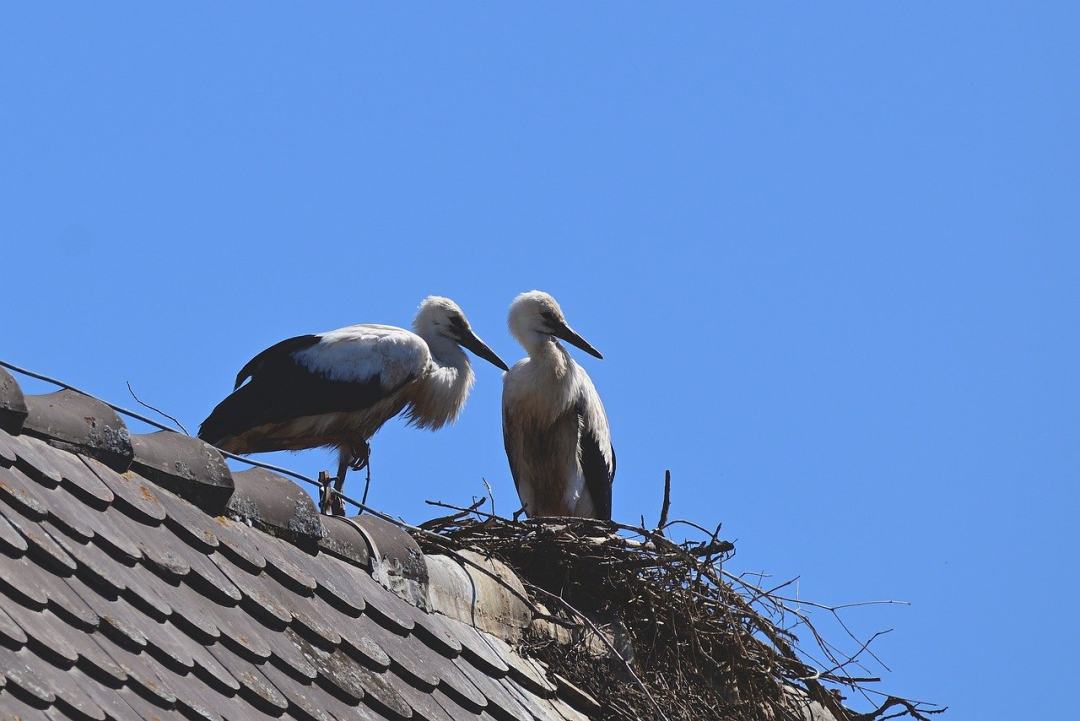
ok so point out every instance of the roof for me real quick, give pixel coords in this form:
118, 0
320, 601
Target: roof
141, 578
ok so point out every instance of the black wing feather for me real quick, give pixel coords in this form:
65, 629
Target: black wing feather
598, 477
281, 389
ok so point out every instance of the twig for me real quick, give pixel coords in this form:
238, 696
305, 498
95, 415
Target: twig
160, 412
662, 524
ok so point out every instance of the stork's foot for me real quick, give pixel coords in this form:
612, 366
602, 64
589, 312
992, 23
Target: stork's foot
518, 512
360, 456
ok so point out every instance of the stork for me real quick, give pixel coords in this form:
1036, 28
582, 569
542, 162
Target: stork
554, 425
336, 389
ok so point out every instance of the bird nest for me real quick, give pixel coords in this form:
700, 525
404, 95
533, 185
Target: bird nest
654, 628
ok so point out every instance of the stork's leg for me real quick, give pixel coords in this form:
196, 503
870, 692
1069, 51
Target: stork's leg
362, 461
330, 502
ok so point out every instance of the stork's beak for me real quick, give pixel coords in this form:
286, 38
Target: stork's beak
472, 342
569, 335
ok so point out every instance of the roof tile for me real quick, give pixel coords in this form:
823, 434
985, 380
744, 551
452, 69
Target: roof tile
11, 541
30, 458
273, 502
11, 630
12, 403
67, 511
43, 629
132, 493
345, 540
107, 698
187, 466
245, 634
189, 523
500, 702
20, 669
41, 544
21, 493
76, 477
258, 592
285, 563
255, 687
288, 652
22, 581
237, 541
82, 422
58, 685
302, 702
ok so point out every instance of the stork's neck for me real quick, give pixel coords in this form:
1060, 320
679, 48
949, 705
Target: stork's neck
545, 351
441, 393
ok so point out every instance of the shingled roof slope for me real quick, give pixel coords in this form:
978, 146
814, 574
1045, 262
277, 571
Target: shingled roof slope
141, 579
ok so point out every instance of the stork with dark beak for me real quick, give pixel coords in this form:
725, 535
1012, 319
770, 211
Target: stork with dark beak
336, 389
554, 425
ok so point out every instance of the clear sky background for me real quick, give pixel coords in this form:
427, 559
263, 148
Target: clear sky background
830, 253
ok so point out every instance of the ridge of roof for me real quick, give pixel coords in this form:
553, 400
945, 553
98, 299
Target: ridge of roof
141, 578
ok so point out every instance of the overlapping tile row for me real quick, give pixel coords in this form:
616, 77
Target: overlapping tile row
121, 600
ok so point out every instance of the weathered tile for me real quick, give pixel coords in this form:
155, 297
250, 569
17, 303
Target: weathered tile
12, 708
142, 671
356, 641
30, 457
237, 541
288, 653
104, 696
311, 617
525, 671
500, 702
22, 580
478, 648
422, 703
132, 494
78, 479
432, 628
45, 633
110, 534
94, 565
536, 706
209, 580
406, 653
260, 593
42, 547
47, 683
302, 702
193, 698
206, 666
195, 614
7, 448
455, 710
101, 570
245, 634
383, 606
20, 669
159, 547
147, 710
21, 493
284, 564
68, 512
10, 630
254, 685
336, 584
188, 522
11, 541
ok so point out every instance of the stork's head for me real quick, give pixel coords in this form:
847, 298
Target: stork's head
536, 316
441, 318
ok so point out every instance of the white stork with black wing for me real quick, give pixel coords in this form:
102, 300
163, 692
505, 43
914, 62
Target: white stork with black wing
554, 425
336, 389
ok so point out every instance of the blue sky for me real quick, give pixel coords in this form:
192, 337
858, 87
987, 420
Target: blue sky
830, 254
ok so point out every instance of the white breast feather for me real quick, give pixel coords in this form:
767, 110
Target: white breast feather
358, 353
